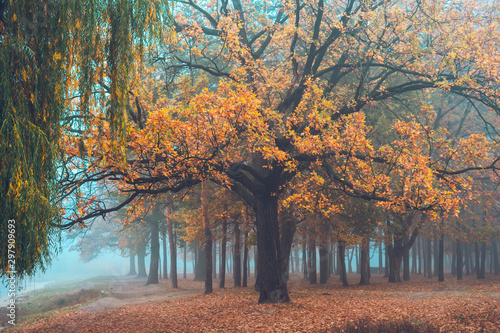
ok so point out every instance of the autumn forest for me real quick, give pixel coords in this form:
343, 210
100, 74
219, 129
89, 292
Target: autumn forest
264, 166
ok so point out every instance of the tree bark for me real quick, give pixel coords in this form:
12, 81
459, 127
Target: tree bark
245, 260
482, 267
312, 261
459, 267
429, 258
323, 262
304, 258
164, 244
184, 276
365, 261
342, 268
132, 270
222, 266
208, 239
436, 254
141, 262
155, 252
406, 263
173, 248
441, 259
236, 254
496, 263
214, 259
271, 286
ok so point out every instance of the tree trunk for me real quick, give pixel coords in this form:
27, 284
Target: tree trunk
477, 254
436, 254
459, 260
482, 267
380, 258
312, 261
271, 287
155, 252
245, 260
185, 262
141, 262
414, 259
496, 263
429, 258
441, 259
365, 262
237, 254
165, 261
342, 268
323, 262
304, 258
208, 239
173, 248
132, 270
222, 266
406, 263
214, 259
420, 255
466, 258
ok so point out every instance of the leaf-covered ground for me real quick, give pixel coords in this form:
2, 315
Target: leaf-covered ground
417, 306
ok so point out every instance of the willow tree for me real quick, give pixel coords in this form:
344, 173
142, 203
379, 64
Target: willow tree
292, 83
54, 53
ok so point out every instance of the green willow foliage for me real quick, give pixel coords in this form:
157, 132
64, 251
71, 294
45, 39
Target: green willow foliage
51, 50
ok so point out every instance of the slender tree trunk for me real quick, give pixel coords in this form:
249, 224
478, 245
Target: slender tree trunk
141, 261
132, 270
420, 255
406, 263
496, 263
429, 258
350, 256
222, 266
441, 259
164, 247
245, 259
364, 262
477, 254
155, 252
173, 248
436, 254
467, 259
380, 258
323, 262
330, 260
304, 258
297, 259
208, 239
214, 259
342, 268
237, 254
312, 261
386, 266
459, 260
414, 259
185, 261
482, 267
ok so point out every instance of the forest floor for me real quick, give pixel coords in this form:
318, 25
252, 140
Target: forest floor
125, 304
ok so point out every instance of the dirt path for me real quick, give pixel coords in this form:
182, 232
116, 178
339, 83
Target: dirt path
126, 290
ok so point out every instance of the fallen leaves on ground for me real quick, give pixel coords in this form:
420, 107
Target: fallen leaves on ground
466, 306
